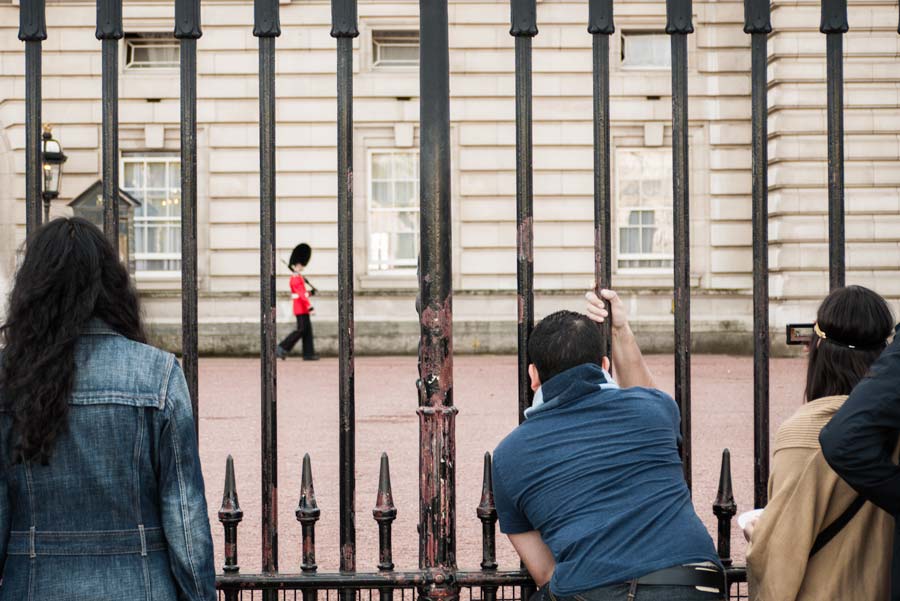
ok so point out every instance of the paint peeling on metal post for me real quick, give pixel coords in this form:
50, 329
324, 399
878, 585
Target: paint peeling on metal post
758, 24
601, 26
267, 27
109, 30
187, 30
32, 31
834, 25
437, 436
344, 29
523, 27
678, 26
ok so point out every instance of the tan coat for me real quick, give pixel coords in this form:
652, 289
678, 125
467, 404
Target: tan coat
805, 496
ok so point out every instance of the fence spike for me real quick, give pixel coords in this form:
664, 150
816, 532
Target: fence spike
724, 508
385, 512
230, 515
308, 514
487, 513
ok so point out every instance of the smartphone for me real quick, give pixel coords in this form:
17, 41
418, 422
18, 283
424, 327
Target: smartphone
799, 333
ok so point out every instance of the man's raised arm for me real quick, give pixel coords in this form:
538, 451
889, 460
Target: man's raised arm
630, 368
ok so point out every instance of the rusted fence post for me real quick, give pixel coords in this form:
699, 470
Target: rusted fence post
523, 27
343, 28
678, 26
267, 27
187, 30
834, 25
230, 515
32, 31
385, 512
758, 24
601, 26
109, 30
437, 435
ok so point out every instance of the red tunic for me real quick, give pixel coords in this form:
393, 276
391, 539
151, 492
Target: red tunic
299, 294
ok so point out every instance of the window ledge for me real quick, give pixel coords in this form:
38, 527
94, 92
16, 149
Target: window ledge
636, 279
157, 276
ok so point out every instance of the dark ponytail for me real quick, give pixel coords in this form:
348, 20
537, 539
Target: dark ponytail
70, 275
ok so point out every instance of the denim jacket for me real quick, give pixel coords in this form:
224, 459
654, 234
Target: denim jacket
120, 511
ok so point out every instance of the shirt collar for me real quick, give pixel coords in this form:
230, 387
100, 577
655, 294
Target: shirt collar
571, 384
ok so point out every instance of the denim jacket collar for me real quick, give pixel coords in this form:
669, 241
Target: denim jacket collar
570, 385
97, 327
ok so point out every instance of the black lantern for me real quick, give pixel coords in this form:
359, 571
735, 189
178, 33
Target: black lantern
52, 159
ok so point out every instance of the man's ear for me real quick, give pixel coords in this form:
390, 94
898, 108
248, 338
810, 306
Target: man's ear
535, 379
605, 363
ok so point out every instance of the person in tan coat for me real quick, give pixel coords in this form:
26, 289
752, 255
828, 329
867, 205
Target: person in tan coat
806, 497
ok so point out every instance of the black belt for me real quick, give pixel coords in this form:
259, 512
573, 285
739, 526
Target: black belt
710, 577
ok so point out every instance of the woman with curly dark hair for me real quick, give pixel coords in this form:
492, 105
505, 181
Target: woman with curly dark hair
101, 493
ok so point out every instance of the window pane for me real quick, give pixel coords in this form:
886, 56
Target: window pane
646, 50
156, 175
381, 166
134, 176
629, 240
647, 236
405, 194
382, 195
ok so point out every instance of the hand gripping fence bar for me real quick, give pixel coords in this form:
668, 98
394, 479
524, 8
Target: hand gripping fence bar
601, 26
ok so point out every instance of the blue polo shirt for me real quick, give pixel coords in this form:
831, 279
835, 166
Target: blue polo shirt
595, 469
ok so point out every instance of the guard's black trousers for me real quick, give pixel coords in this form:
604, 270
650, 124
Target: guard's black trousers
304, 330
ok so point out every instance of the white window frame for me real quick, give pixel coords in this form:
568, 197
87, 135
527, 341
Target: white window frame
626, 33
149, 39
387, 32
146, 158
371, 209
618, 224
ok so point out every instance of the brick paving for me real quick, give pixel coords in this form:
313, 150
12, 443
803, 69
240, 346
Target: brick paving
386, 421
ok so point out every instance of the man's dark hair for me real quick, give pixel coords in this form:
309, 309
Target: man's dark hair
564, 340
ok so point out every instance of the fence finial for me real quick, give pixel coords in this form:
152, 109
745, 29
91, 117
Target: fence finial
385, 512
600, 17
32, 21
187, 19
724, 508
109, 20
678, 16
266, 20
487, 513
230, 515
307, 514
523, 17
834, 17
757, 16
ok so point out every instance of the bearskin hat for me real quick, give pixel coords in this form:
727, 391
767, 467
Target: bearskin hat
301, 254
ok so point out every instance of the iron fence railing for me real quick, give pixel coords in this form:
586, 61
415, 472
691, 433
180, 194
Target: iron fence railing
438, 576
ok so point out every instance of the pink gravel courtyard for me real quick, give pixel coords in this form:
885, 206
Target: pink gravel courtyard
386, 421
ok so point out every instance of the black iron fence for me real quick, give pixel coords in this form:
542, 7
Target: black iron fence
438, 576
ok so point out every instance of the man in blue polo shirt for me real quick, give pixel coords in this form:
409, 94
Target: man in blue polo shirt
590, 488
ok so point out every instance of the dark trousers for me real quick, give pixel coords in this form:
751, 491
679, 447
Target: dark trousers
304, 330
